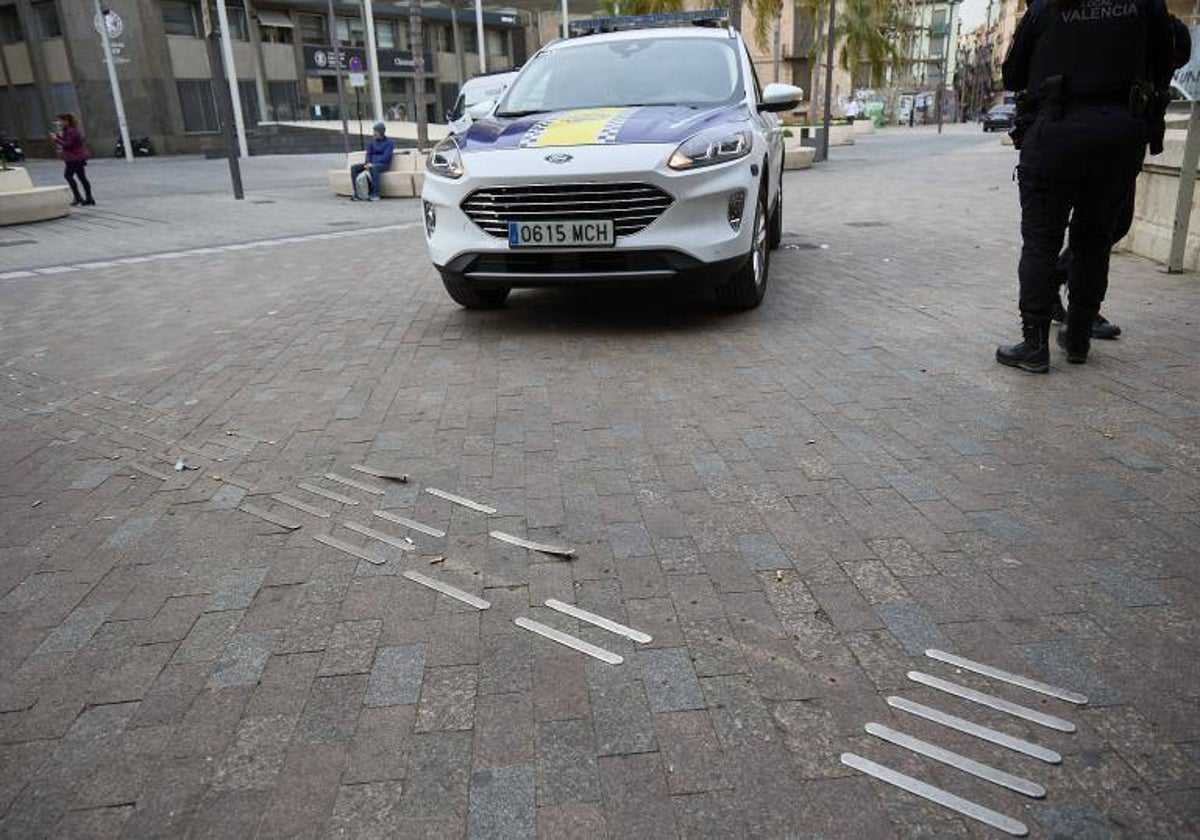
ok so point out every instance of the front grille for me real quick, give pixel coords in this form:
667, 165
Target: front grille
551, 263
630, 206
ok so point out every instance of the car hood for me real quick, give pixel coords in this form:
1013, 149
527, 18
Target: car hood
599, 127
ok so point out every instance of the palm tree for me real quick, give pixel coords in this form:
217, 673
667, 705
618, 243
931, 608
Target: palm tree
640, 7
862, 28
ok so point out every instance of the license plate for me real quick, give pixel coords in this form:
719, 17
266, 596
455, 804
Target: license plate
591, 234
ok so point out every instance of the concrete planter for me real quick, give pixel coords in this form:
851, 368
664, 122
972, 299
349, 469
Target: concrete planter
863, 127
404, 178
798, 157
1154, 208
21, 202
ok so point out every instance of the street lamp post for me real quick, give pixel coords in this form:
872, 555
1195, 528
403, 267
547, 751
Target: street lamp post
826, 120
481, 41
337, 66
231, 77
123, 127
373, 59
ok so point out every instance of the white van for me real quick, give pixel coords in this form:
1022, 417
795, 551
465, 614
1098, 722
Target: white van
476, 90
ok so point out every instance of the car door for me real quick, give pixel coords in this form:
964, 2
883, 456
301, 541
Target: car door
770, 127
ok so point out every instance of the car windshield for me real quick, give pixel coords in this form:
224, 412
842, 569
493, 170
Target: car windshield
641, 71
1001, 110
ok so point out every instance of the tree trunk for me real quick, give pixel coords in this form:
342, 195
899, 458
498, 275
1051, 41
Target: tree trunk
416, 36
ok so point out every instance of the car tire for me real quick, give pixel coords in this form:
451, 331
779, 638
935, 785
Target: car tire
470, 297
746, 288
775, 225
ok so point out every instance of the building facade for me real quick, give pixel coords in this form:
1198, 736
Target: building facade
51, 60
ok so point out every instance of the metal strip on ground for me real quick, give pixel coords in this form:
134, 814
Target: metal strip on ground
270, 517
997, 703
936, 795
410, 523
148, 471
328, 494
1004, 676
357, 485
352, 550
961, 762
459, 500
448, 590
379, 473
599, 621
398, 542
570, 641
553, 550
970, 728
301, 506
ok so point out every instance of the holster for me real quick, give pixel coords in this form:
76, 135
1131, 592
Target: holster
1143, 99
1023, 117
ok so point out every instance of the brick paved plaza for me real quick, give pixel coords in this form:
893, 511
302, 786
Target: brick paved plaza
794, 503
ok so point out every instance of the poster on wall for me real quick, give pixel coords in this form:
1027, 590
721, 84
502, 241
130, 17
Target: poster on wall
1187, 77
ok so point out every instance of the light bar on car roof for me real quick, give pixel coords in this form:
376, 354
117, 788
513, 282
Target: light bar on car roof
594, 26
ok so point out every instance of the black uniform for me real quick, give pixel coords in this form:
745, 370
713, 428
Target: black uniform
1085, 64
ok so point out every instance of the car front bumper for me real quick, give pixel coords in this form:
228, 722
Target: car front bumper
691, 239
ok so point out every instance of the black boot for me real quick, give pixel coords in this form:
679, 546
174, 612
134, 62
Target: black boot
1032, 354
1101, 328
1076, 336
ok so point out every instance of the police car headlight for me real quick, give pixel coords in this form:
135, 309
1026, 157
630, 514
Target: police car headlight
446, 159
711, 147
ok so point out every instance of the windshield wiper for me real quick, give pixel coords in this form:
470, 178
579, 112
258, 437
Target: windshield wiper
528, 113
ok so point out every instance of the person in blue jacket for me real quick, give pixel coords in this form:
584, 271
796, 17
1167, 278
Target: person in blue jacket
378, 159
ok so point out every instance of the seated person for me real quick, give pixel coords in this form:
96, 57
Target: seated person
378, 159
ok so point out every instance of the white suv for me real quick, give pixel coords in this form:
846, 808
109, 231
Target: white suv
640, 155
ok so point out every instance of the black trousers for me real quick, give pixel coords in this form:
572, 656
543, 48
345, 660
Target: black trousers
1121, 226
77, 170
1077, 176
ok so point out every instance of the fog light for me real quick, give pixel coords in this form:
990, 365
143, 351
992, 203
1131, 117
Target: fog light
430, 218
737, 204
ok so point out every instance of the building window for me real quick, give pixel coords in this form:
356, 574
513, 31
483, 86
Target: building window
312, 30
10, 26
497, 42
181, 17
62, 95
276, 34
248, 94
350, 32
46, 15
468, 34
385, 34
199, 105
239, 29
285, 101
31, 110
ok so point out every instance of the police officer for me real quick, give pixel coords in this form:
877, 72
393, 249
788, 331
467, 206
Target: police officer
1090, 68
1181, 46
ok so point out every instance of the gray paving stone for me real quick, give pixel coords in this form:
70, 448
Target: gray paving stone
566, 763
762, 553
709, 465
620, 714
447, 699
629, 540
438, 774
1003, 527
396, 676
368, 811
502, 804
76, 631
912, 488
1079, 822
671, 684
255, 758
912, 627
236, 590
1127, 588
1057, 663
351, 647
244, 659
130, 531
331, 713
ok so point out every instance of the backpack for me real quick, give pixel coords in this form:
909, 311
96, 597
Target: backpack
362, 185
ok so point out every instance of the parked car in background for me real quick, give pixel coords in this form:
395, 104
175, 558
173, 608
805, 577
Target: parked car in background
999, 118
487, 88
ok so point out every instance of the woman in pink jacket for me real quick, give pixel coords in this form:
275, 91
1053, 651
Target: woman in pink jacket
71, 148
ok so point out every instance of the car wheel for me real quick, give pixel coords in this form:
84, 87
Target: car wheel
748, 284
775, 227
470, 297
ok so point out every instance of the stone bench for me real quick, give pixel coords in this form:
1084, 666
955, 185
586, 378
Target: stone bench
22, 202
798, 157
403, 179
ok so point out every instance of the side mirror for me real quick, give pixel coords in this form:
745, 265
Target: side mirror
777, 97
481, 110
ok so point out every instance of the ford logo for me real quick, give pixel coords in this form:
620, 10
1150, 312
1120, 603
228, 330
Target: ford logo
560, 158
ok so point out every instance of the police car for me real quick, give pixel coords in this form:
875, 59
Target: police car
641, 149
